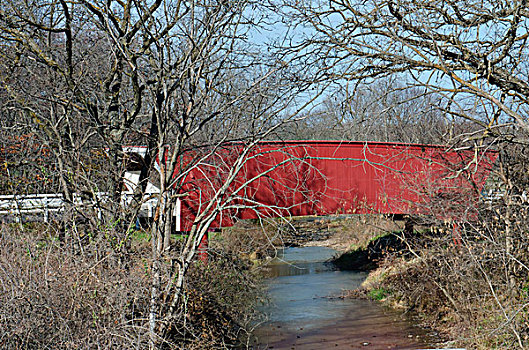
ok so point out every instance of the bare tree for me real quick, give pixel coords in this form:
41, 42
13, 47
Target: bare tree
182, 78
471, 53
380, 111
471, 57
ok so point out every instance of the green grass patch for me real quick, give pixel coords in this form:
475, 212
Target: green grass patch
177, 237
141, 235
378, 293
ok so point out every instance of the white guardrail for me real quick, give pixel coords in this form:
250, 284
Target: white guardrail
49, 205
43, 207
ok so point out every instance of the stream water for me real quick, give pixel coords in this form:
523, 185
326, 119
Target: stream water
306, 311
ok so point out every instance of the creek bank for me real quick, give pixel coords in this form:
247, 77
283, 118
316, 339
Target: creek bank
388, 259
340, 232
301, 231
374, 253
260, 241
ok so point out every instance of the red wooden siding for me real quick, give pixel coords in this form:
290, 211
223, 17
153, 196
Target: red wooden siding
335, 177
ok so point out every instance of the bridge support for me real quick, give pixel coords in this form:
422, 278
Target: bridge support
456, 234
408, 226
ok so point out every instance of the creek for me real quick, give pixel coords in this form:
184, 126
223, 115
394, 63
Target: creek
306, 311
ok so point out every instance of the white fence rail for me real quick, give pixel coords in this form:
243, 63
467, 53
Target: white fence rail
46, 206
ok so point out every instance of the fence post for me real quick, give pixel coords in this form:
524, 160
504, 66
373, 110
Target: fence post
18, 213
178, 215
46, 210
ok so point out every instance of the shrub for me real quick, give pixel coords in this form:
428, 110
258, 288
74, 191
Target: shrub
59, 296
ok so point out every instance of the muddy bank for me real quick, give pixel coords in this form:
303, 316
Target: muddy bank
338, 232
361, 329
369, 258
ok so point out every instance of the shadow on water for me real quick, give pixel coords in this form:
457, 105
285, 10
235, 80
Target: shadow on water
306, 311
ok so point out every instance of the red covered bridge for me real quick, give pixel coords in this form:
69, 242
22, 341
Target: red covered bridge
283, 178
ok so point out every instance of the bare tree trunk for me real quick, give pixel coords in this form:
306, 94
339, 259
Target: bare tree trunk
154, 302
156, 241
509, 245
168, 227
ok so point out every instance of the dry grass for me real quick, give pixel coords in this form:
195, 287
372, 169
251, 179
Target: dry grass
464, 291
356, 231
56, 296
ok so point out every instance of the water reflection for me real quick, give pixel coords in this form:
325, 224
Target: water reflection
296, 269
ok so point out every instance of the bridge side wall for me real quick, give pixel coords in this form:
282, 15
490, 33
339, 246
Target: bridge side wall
322, 178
